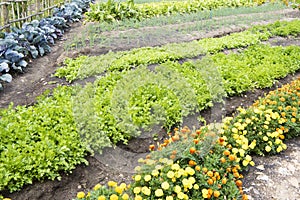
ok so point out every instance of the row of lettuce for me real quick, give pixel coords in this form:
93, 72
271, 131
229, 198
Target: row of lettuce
35, 38
86, 66
55, 134
118, 11
208, 163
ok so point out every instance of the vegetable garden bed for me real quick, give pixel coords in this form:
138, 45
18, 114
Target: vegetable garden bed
167, 84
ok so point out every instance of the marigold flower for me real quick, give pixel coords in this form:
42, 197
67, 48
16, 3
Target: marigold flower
175, 167
265, 138
113, 197
97, 187
165, 185
169, 198
102, 197
192, 163
146, 191
190, 171
177, 189
155, 173
170, 174
136, 190
197, 168
192, 150
119, 189
204, 193
268, 148
80, 195
226, 153
112, 184
180, 195
147, 178
279, 149
137, 177
125, 196
138, 197
217, 194
159, 192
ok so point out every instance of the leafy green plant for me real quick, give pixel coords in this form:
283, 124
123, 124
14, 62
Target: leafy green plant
39, 142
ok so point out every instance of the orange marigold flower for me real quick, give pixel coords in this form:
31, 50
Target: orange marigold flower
216, 193
192, 150
226, 153
239, 183
192, 163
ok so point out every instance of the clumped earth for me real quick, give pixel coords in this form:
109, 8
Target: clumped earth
273, 177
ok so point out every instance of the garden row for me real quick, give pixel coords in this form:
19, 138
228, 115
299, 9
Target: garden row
174, 28
39, 141
85, 66
35, 38
112, 11
208, 163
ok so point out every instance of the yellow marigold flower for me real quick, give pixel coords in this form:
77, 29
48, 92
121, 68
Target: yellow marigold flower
234, 130
180, 195
177, 189
252, 163
119, 190
147, 178
6, 199
284, 146
268, 148
192, 180
245, 146
196, 187
204, 193
266, 126
278, 141
97, 187
137, 168
123, 186
245, 163
248, 158
102, 197
80, 195
248, 121
279, 149
170, 174
155, 173
169, 198
253, 144
137, 177
265, 138
159, 192
125, 196
190, 171
175, 167
138, 197
235, 150
136, 190
146, 191
165, 185
180, 172
242, 152
112, 184
158, 167
113, 197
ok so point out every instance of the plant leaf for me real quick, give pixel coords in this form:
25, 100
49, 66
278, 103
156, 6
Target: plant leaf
6, 78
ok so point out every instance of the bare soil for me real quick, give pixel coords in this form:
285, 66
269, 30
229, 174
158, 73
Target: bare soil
274, 177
